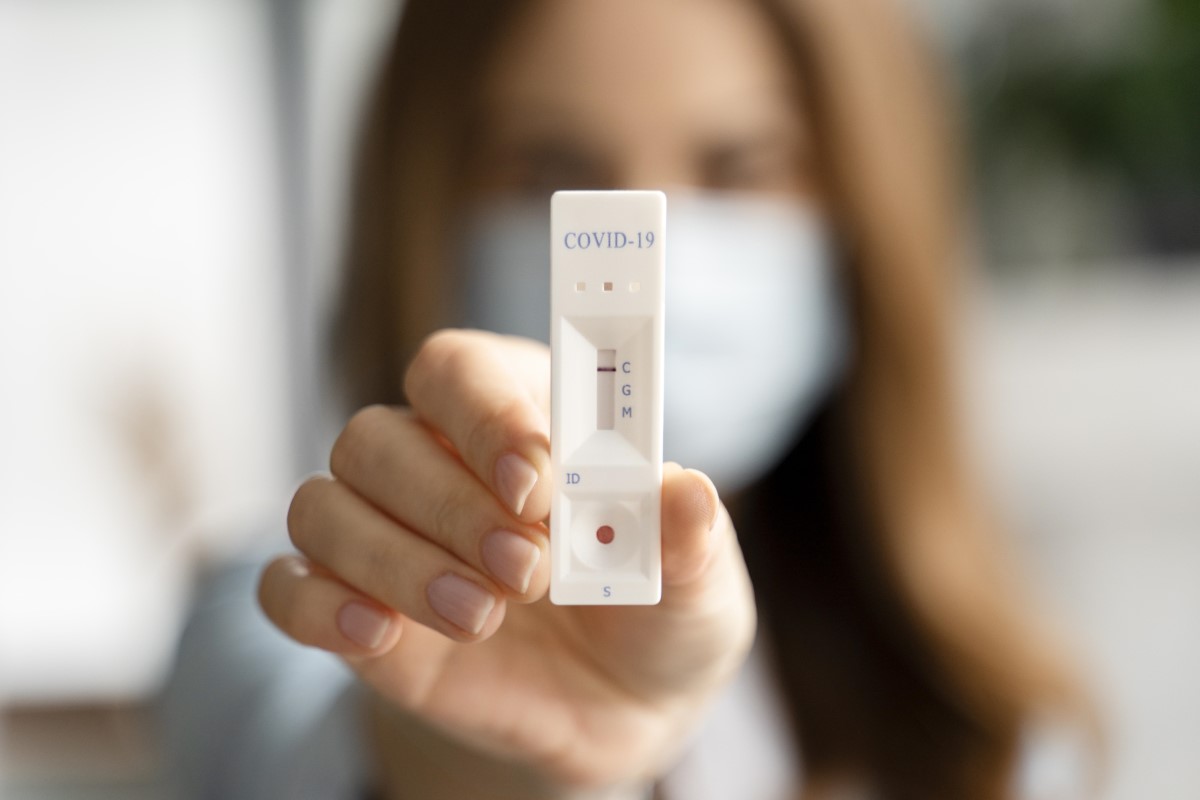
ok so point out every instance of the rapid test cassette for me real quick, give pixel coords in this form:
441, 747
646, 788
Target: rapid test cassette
607, 290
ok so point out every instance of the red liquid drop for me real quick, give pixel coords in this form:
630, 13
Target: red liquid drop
604, 534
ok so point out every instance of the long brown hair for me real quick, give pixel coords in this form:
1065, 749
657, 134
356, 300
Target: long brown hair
905, 657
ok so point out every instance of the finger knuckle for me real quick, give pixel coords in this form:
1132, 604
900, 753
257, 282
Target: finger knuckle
271, 589
455, 512
354, 449
435, 354
381, 562
495, 425
304, 510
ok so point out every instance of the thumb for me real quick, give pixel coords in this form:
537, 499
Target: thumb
690, 511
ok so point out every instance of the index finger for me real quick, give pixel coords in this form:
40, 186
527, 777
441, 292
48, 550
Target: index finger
486, 394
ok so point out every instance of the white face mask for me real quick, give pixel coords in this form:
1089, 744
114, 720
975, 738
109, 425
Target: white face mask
756, 328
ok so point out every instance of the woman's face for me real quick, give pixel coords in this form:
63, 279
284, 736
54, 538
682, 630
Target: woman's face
633, 94
667, 94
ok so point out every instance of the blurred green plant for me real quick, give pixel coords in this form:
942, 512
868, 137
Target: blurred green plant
1131, 111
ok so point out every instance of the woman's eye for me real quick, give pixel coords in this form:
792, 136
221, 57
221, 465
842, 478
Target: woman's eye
542, 170
752, 168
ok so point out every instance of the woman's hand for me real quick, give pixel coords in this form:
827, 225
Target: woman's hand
424, 564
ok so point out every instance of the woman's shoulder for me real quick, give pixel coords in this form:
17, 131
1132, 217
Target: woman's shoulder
248, 713
746, 727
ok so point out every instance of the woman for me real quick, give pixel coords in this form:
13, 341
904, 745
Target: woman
902, 661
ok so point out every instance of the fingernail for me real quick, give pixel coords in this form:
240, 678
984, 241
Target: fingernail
511, 558
515, 479
461, 602
363, 624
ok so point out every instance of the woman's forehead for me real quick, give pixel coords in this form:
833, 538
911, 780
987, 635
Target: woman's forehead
632, 67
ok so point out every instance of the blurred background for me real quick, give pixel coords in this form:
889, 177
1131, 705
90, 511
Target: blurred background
172, 178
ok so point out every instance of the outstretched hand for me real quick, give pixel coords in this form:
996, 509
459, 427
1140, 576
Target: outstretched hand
423, 563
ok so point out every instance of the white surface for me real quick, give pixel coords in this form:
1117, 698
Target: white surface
607, 264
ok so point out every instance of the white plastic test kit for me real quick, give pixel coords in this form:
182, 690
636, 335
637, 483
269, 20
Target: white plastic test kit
607, 270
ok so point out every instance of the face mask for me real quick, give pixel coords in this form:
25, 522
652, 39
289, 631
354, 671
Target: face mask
756, 329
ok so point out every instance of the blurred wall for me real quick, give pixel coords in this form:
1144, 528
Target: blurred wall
171, 182
142, 363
